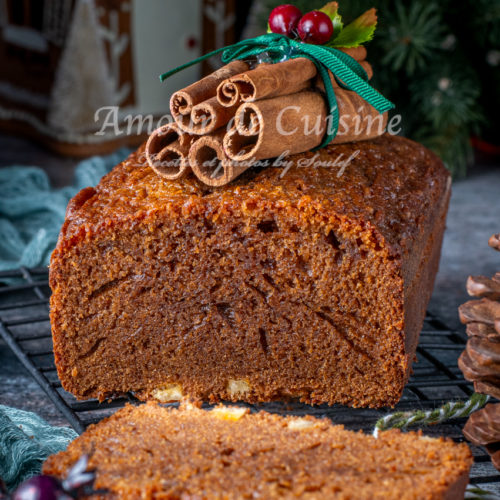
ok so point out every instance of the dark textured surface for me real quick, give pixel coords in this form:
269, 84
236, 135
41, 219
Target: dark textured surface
19, 389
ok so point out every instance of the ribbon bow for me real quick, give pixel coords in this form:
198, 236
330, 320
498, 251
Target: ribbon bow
347, 72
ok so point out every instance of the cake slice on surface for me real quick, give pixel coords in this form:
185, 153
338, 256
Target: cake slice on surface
155, 452
310, 282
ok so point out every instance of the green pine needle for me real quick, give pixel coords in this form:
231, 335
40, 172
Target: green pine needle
447, 95
412, 33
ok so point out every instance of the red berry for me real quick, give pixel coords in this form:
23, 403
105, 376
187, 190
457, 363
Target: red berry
315, 27
284, 19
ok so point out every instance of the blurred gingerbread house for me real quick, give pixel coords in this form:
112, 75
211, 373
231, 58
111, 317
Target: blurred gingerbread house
61, 61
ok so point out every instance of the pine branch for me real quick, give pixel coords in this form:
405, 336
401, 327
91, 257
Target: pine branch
411, 34
447, 94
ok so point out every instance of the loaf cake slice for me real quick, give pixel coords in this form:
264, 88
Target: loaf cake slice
155, 452
306, 282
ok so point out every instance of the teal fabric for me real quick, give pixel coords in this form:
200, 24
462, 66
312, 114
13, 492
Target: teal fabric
26, 440
31, 212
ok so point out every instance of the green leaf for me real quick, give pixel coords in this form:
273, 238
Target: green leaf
331, 9
268, 28
358, 32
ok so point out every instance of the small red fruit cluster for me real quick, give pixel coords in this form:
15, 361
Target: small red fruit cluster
314, 27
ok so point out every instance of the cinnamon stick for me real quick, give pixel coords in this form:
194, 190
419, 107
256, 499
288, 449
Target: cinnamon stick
368, 68
167, 151
206, 117
195, 108
267, 128
272, 80
358, 120
296, 123
267, 80
210, 162
318, 81
357, 53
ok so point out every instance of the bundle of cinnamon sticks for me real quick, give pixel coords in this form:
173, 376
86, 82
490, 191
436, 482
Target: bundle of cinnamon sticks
231, 119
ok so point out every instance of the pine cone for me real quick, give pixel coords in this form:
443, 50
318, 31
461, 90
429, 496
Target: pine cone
480, 362
483, 426
483, 429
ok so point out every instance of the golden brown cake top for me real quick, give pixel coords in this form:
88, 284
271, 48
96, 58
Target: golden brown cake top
390, 182
228, 450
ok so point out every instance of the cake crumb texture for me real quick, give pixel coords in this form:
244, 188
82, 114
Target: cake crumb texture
155, 452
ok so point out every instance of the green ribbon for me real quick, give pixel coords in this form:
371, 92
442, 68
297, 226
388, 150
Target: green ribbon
348, 73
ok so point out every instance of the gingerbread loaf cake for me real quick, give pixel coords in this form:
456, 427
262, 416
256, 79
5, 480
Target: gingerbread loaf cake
155, 452
307, 281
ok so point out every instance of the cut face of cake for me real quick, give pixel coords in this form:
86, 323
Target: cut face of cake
155, 452
310, 282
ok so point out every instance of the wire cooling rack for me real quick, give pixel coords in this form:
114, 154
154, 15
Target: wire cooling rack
25, 328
